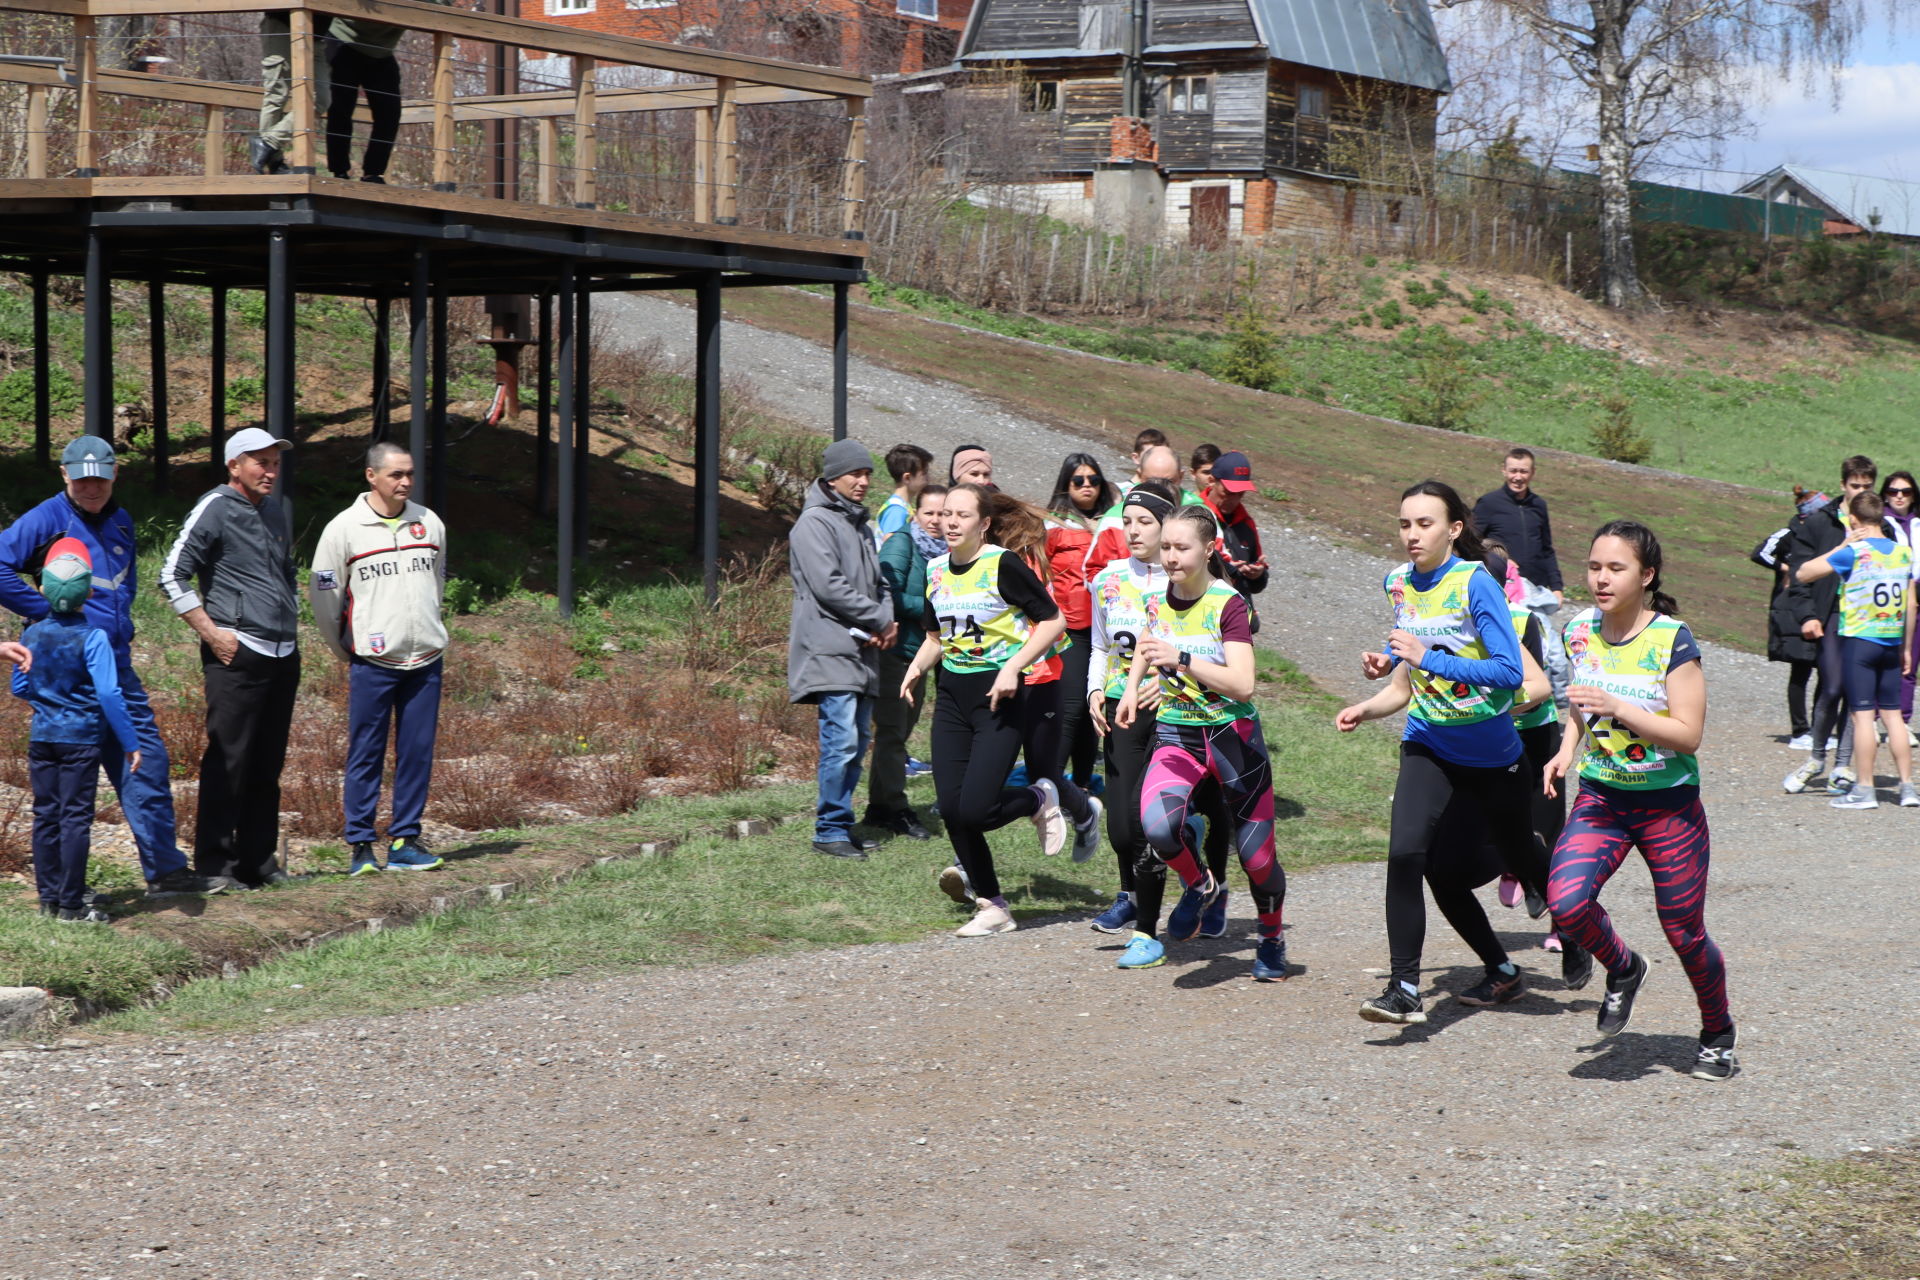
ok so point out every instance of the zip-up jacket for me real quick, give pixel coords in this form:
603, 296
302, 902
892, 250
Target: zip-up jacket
108, 538
231, 559
376, 586
74, 685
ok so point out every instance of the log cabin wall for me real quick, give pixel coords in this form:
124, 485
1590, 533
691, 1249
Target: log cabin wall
1200, 22
1357, 116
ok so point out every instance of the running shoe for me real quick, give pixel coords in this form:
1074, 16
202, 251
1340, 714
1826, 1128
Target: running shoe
1797, 781
918, 768
1270, 960
181, 880
1495, 988
1576, 964
953, 883
1396, 1004
1142, 952
1913, 739
1842, 780
1213, 921
1196, 831
1086, 835
1617, 1006
1716, 1060
410, 855
1510, 890
1551, 942
363, 859
86, 914
1018, 778
1048, 821
1855, 798
989, 917
1536, 904
1800, 742
1096, 785
1909, 798
1184, 920
1117, 918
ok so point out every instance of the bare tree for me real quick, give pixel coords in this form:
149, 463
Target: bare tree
1661, 72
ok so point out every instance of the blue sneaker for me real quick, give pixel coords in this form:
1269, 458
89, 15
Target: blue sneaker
1018, 778
1270, 960
1117, 918
918, 768
363, 859
1213, 921
410, 855
1096, 785
1142, 953
1196, 832
1184, 920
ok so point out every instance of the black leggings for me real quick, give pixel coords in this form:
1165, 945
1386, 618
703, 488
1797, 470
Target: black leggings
1798, 673
1128, 751
1077, 730
1830, 716
1542, 743
1042, 725
973, 751
353, 71
1426, 786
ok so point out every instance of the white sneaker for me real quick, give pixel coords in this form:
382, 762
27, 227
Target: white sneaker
1086, 839
1909, 798
1048, 820
1804, 742
987, 919
953, 883
1856, 798
1913, 739
1797, 781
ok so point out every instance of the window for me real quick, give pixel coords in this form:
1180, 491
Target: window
1313, 101
928, 9
557, 7
1190, 95
1040, 95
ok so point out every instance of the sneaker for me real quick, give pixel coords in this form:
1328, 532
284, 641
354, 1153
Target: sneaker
276, 877
1551, 942
1913, 739
825, 848
1576, 964
1536, 904
410, 855
1617, 1006
1018, 776
988, 918
953, 883
1213, 921
1096, 785
1395, 1004
1842, 780
374, 178
184, 881
88, 914
1495, 988
1086, 835
1855, 798
1142, 952
1196, 831
51, 910
1048, 821
918, 768
1800, 742
1796, 782
1510, 891
1716, 1060
1909, 798
903, 822
265, 157
1184, 920
1117, 918
363, 859
1270, 960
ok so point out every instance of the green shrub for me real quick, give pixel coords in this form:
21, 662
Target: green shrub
1390, 315
1615, 437
1443, 392
244, 392
1252, 357
16, 394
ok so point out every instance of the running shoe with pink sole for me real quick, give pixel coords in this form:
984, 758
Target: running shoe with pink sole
989, 918
1510, 891
1049, 822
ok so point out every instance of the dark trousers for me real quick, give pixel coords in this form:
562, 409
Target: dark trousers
410, 701
1077, 727
1043, 723
353, 71
65, 776
973, 751
1798, 673
249, 714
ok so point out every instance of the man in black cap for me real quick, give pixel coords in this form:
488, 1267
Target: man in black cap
85, 509
842, 620
1239, 543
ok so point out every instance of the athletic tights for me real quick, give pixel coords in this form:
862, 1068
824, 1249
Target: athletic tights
1830, 699
1129, 751
1234, 755
973, 751
1077, 731
1043, 724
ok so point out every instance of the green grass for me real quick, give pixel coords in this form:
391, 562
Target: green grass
107, 967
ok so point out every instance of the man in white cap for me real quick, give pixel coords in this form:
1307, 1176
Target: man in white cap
85, 509
230, 575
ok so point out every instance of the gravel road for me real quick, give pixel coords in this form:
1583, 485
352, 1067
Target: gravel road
1017, 1107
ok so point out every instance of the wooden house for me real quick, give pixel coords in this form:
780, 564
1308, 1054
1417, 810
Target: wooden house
1252, 115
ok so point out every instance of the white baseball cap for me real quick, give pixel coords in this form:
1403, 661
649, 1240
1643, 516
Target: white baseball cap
252, 440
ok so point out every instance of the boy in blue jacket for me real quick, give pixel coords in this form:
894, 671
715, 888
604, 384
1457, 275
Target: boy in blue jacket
72, 684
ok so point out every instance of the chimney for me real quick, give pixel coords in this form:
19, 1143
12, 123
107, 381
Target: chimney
1130, 141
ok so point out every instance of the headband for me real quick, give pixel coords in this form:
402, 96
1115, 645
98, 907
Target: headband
965, 454
1156, 505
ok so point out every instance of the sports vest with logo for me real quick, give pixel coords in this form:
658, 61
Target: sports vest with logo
1636, 673
1546, 712
1443, 620
1873, 600
979, 630
1120, 594
1194, 630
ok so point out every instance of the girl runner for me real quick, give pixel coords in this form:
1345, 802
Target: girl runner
1200, 644
1638, 687
1453, 627
988, 618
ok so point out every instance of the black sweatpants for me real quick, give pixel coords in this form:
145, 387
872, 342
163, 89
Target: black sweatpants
1542, 743
1077, 731
249, 714
353, 71
1426, 786
1798, 673
973, 751
1043, 722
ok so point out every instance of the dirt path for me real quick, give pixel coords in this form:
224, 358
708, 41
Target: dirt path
1016, 1106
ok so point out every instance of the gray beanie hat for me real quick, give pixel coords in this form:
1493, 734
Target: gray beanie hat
843, 456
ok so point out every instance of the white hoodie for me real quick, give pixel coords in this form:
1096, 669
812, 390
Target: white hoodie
380, 582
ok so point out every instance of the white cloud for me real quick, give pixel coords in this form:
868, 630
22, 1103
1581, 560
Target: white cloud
1872, 132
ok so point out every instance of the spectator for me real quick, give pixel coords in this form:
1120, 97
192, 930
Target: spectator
1148, 438
230, 576
1784, 641
71, 683
378, 577
908, 464
842, 622
1157, 462
1200, 465
269, 147
903, 563
1517, 516
1080, 494
1238, 543
1900, 495
360, 56
86, 511
970, 464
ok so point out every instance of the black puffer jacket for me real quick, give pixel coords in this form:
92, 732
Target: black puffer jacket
1808, 537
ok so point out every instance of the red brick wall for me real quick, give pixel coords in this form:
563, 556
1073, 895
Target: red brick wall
1131, 138
1257, 216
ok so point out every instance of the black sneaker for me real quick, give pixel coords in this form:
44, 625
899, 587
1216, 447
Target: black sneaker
1495, 988
1394, 1004
1576, 964
1617, 1006
904, 823
1536, 903
840, 849
1716, 1060
265, 157
88, 914
185, 881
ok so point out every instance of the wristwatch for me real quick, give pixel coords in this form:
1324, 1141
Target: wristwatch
1186, 660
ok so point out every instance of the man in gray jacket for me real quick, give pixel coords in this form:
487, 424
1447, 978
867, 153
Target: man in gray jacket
842, 619
230, 576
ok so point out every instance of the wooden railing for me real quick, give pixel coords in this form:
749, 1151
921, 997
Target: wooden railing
701, 170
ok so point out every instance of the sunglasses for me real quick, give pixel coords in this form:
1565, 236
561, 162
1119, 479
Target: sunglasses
1899, 493
1090, 481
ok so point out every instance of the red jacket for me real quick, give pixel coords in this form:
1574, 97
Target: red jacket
1067, 558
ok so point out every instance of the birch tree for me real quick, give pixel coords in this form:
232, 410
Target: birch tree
1654, 73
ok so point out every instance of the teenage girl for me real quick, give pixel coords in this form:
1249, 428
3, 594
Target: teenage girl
1641, 699
988, 618
1079, 496
1453, 628
1199, 644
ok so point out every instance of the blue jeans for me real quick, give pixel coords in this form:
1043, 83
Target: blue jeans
146, 797
410, 701
846, 726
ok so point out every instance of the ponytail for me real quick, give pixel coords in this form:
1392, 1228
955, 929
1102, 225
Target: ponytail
1646, 549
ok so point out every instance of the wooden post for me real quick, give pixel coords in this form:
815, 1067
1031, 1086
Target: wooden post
854, 192
300, 56
85, 161
703, 130
442, 115
584, 157
726, 164
36, 131
216, 156
549, 184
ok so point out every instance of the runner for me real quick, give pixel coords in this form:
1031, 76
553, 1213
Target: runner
1642, 702
1876, 640
1198, 642
1452, 625
1539, 726
988, 618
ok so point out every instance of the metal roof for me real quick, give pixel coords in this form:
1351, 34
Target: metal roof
1855, 197
1390, 40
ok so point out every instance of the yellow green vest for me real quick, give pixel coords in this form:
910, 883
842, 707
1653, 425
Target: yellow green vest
1873, 598
1122, 604
979, 631
1546, 712
1635, 673
1194, 630
1442, 619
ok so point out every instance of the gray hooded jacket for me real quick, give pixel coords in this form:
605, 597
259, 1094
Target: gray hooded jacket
836, 585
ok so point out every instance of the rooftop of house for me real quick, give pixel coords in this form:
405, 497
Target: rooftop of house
1858, 198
